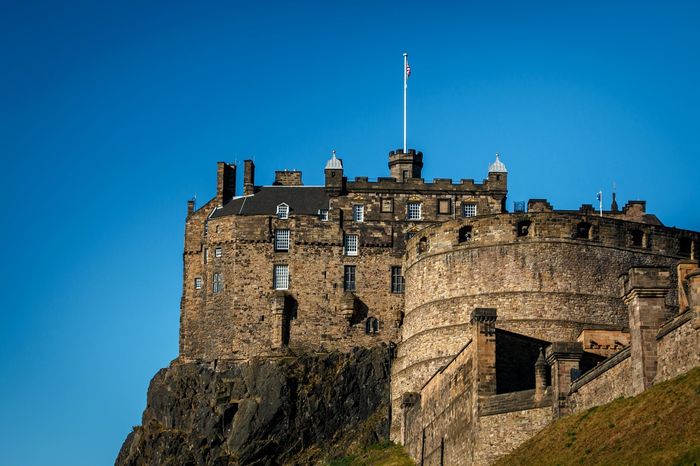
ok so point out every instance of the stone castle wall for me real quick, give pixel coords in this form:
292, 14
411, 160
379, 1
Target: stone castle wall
611, 380
548, 284
678, 347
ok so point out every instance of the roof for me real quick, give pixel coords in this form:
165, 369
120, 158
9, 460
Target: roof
334, 163
302, 200
497, 166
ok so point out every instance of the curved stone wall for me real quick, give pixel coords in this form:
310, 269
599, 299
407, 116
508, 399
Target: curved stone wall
561, 277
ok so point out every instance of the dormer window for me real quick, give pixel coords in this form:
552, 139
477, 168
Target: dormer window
323, 215
283, 211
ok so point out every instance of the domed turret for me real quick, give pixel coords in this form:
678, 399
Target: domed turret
334, 163
334, 175
497, 166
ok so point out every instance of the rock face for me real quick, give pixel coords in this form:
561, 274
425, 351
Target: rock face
296, 410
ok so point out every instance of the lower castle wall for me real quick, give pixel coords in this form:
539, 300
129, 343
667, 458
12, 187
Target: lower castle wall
678, 347
500, 434
610, 380
443, 432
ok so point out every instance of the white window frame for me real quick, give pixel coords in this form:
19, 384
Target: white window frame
282, 239
358, 213
218, 252
198, 283
283, 211
323, 215
351, 246
280, 277
217, 282
414, 211
468, 209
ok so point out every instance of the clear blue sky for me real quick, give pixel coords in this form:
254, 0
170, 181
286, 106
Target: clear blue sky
112, 116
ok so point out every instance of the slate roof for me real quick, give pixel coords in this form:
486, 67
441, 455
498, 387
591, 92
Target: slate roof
302, 200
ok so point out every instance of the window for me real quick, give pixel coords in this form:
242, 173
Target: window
282, 240
358, 213
422, 245
198, 283
468, 209
444, 206
387, 205
410, 235
280, 277
637, 237
323, 215
349, 278
685, 247
404, 174
524, 228
218, 252
397, 280
350, 243
465, 234
218, 283
206, 255
283, 211
414, 211
371, 326
583, 230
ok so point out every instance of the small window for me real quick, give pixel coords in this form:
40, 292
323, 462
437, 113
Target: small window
282, 240
371, 326
349, 278
444, 206
414, 211
283, 211
410, 235
422, 245
350, 245
198, 283
465, 234
405, 176
218, 252
206, 255
524, 228
280, 279
583, 230
685, 247
323, 215
637, 237
358, 213
218, 283
387, 205
397, 280
468, 210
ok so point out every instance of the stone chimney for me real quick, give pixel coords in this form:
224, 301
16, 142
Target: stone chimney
190, 207
287, 178
225, 182
248, 177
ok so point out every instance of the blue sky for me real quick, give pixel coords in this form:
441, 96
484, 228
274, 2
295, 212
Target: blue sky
112, 115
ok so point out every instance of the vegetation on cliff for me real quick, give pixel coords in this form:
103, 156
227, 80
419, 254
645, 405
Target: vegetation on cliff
660, 426
299, 410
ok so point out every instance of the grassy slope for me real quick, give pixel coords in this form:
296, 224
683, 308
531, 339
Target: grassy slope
381, 454
660, 426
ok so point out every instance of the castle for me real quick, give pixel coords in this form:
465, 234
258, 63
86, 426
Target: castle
502, 321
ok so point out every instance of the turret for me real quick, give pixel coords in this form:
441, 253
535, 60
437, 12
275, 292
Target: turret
405, 165
334, 175
498, 175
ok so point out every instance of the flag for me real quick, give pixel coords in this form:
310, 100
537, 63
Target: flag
408, 69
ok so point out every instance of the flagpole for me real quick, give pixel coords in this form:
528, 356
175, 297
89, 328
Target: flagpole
405, 63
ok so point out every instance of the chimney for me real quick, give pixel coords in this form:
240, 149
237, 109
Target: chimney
287, 178
248, 177
190, 207
225, 182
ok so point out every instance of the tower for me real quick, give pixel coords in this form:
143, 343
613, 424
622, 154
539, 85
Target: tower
405, 165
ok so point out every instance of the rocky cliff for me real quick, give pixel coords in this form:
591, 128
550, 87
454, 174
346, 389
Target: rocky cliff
294, 410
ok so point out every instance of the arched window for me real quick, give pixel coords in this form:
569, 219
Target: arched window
371, 326
465, 234
524, 228
583, 230
218, 283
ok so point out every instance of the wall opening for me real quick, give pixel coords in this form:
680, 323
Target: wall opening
583, 230
524, 228
465, 234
